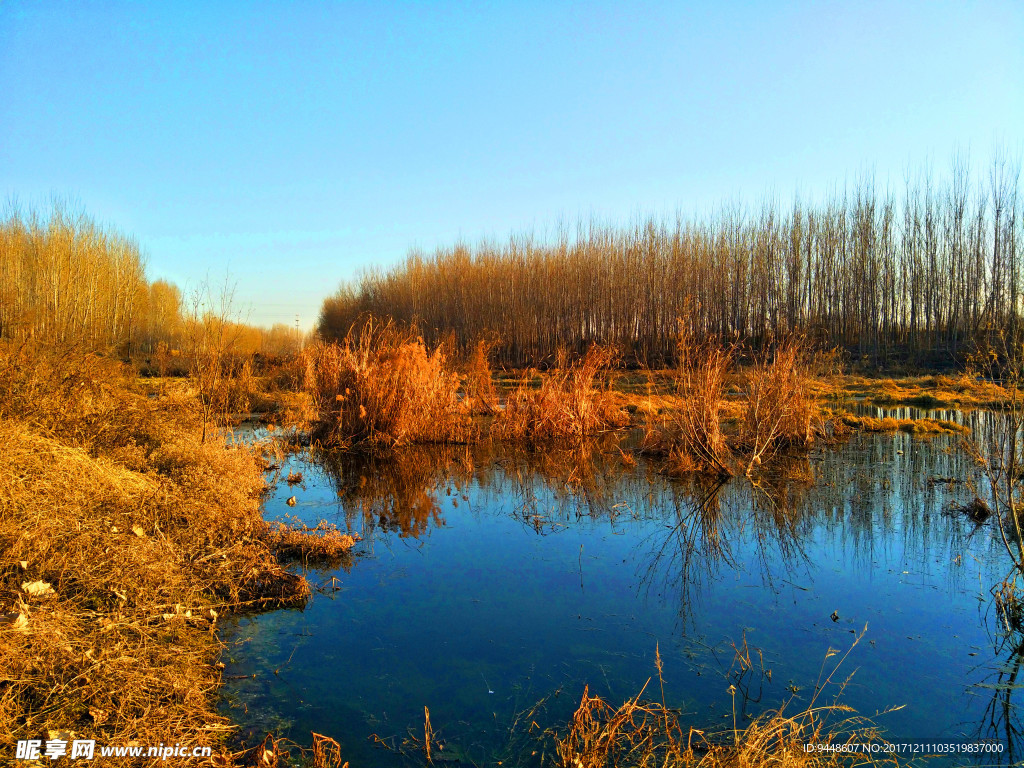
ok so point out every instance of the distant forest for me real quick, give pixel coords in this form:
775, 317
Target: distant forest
68, 281
921, 276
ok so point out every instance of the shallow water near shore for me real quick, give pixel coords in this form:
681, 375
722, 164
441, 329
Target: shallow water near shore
489, 581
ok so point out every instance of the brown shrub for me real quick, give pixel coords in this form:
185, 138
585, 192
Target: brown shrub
481, 396
382, 387
690, 435
573, 401
780, 411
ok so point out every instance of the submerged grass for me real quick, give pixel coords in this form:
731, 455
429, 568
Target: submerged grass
125, 537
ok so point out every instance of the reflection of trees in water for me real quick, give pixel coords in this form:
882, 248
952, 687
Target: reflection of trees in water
876, 498
396, 493
877, 495
886, 496
693, 548
1000, 680
1002, 721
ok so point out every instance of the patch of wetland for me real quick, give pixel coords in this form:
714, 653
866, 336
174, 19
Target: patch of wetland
487, 581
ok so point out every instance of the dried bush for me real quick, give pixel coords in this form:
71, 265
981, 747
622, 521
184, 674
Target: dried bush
481, 396
573, 401
779, 409
649, 733
690, 435
382, 387
143, 535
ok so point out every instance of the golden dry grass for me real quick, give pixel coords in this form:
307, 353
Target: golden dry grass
911, 426
143, 534
481, 396
936, 391
779, 411
690, 434
382, 388
647, 733
573, 401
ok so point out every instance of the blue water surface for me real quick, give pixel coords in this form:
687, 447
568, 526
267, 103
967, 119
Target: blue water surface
492, 586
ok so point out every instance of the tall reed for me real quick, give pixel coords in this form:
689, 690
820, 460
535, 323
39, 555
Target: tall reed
779, 410
382, 387
647, 732
690, 435
574, 400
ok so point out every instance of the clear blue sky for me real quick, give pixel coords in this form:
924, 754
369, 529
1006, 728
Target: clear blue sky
295, 143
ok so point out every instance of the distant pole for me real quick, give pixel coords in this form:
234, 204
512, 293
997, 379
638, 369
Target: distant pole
298, 335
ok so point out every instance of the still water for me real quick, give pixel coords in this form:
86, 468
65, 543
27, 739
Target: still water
487, 582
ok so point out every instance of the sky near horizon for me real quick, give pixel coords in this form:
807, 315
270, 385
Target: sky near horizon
291, 145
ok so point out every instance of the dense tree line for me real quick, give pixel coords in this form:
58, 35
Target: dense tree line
922, 274
66, 280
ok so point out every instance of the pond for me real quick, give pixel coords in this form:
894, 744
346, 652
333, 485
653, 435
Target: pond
490, 586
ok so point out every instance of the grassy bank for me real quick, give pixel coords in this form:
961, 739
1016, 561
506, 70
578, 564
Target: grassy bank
126, 538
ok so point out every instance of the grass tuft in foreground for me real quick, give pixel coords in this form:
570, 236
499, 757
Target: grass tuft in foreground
641, 733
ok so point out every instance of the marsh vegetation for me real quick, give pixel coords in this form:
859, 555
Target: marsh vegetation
652, 389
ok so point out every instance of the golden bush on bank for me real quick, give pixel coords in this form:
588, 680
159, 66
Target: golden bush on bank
382, 387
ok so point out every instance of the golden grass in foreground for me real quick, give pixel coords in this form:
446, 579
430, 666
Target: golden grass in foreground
143, 535
648, 734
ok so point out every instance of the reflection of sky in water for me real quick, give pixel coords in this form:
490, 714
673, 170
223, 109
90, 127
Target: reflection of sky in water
482, 587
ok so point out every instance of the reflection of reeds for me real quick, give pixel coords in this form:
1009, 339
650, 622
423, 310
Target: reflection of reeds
573, 401
397, 492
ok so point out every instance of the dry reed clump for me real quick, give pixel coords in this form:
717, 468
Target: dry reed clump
690, 434
573, 401
382, 388
779, 411
143, 535
646, 733
481, 396
320, 543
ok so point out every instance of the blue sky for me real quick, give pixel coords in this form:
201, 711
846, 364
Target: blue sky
293, 143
